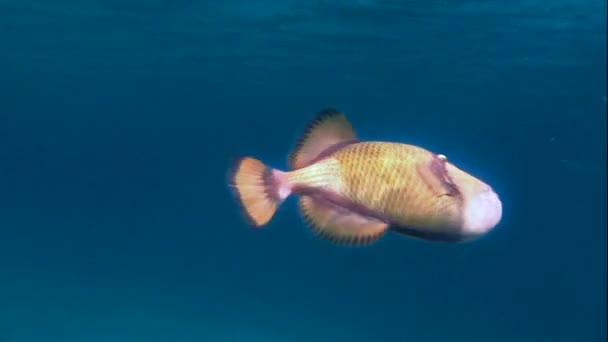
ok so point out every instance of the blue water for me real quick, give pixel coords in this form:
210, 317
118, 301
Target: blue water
119, 118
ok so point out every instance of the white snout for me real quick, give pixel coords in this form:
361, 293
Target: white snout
482, 212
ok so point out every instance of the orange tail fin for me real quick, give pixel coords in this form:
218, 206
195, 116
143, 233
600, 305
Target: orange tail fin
258, 188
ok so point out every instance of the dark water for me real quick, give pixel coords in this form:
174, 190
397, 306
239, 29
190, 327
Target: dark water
118, 119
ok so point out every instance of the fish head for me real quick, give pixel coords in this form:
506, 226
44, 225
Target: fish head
481, 207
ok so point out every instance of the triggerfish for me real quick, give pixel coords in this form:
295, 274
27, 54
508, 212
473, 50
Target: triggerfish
352, 192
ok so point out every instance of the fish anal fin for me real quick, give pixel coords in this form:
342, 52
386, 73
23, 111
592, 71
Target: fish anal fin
328, 128
340, 225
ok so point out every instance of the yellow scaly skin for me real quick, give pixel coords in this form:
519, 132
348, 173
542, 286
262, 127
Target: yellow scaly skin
386, 178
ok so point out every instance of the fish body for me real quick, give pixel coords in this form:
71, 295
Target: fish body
353, 192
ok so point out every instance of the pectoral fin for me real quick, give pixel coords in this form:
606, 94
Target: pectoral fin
435, 175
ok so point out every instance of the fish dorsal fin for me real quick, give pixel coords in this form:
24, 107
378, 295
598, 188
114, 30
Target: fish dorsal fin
329, 128
340, 225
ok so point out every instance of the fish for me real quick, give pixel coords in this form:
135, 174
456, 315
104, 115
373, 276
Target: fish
353, 192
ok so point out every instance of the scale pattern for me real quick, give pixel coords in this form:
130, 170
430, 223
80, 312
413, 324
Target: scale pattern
385, 177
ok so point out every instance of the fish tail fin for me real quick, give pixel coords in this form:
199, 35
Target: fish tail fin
258, 189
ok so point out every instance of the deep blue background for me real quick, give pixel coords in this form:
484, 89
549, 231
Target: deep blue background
118, 119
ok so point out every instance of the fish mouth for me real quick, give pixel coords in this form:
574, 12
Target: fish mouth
482, 212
